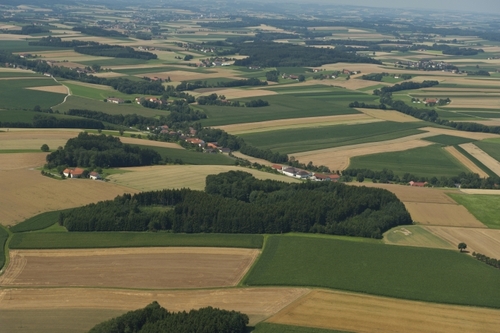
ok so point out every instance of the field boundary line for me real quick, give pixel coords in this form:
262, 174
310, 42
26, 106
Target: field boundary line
241, 283
482, 156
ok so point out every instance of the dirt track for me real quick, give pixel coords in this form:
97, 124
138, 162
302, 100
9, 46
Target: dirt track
145, 268
369, 314
484, 158
465, 161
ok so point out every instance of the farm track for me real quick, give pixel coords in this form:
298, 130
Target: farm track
482, 156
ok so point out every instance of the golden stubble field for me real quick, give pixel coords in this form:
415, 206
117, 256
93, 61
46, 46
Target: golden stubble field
368, 314
141, 268
482, 156
181, 176
484, 241
465, 161
257, 303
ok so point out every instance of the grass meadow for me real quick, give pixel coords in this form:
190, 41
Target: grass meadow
283, 107
483, 207
38, 222
4, 235
307, 139
81, 240
96, 93
192, 157
14, 94
491, 148
431, 275
278, 328
427, 161
19, 73
448, 140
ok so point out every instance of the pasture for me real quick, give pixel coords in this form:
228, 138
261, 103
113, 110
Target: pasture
88, 240
484, 241
166, 268
181, 176
346, 312
306, 139
414, 235
16, 95
38, 222
483, 207
293, 105
431, 161
431, 275
258, 303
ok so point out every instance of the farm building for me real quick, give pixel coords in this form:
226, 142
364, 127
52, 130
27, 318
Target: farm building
94, 176
417, 184
319, 177
115, 100
73, 173
296, 173
225, 150
196, 141
277, 167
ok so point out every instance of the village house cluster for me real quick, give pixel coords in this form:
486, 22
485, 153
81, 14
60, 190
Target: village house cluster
428, 65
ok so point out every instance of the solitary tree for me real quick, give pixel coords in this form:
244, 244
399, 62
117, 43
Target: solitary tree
462, 246
45, 148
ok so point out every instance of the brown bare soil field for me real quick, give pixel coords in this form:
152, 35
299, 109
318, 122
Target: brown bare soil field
465, 161
52, 89
179, 176
26, 193
370, 314
469, 102
271, 125
451, 215
484, 158
414, 194
484, 241
21, 161
389, 115
257, 303
253, 159
34, 139
462, 134
338, 158
165, 268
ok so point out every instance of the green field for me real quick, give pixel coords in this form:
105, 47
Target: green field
4, 235
192, 157
284, 107
96, 93
19, 73
139, 71
14, 94
278, 328
22, 46
448, 140
424, 274
105, 62
306, 139
475, 161
483, 207
415, 235
27, 116
75, 102
431, 161
491, 148
77, 240
38, 222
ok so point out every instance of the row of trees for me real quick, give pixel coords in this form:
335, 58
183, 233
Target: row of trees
87, 150
405, 86
487, 260
116, 51
236, 202
99, 32
156, 319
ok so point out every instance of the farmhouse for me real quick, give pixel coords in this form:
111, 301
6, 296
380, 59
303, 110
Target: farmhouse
196, 141
94, 176
319, 177
225, 150
115, 100
417, 184
296, 173
277, 167
73, 173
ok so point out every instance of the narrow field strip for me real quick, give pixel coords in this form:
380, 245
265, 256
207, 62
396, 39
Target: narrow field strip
462, 134
483, 157
368, 314
465, 161
442, 215
271, 125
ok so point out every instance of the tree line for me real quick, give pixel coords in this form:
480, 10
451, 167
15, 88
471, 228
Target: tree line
236, 202
183, 86
87, 150
99, 32
405, 86
487, 260
116, 51
156, 319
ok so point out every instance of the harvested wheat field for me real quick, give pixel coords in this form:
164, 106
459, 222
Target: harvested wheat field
52, 89
484, 158
462, 134
108, 74
26, 193
442, 215
484, 241
271, 125
414, 194
34, 139
389, 115
370, 314
416, 236
491, 122
257, 303
479, 191
179, 176
18, 161
151, 143
187, 76
338, 158
165, 268
465, 161
244, 93
487, 102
